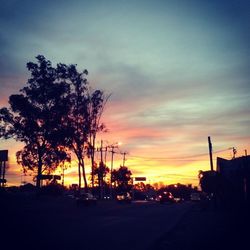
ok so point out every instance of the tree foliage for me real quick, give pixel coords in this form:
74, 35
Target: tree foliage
55, 112
210, 181
83, 120
96, 104
33, 118
122, 179
100, 172
75, 127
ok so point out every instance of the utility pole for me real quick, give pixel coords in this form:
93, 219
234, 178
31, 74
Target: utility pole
92, 148
124, 159
111, 170
210, 153
113, 146
101, 173
101, 151
246, 191
105, 155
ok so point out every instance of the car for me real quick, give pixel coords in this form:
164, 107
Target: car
124, 197
195, 197
178, 199
165, 197
86, 199
106, 197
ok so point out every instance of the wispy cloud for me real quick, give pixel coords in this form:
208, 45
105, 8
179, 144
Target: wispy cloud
178, 72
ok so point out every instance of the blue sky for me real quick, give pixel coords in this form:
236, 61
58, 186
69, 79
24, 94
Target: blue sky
178, 70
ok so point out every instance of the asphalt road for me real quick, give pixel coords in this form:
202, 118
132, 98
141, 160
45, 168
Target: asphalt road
55, 223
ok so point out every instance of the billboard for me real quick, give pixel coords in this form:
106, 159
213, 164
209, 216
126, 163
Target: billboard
3, 155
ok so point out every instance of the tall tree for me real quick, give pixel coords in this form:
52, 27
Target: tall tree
33, 118
83, 120
76, 126
97, 101
55, 111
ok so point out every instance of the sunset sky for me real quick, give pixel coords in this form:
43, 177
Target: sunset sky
178, 72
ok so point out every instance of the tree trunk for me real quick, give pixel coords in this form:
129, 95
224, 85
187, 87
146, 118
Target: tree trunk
79, 167
92, 144
92, 167
79, 175
84, 176
39, 171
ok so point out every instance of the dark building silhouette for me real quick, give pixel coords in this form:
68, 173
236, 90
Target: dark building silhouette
234, 180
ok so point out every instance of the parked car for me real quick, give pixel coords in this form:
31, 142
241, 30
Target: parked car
165, 197
124, 197
85, 199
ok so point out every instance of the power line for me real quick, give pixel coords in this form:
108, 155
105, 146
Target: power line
179, 160
184, 158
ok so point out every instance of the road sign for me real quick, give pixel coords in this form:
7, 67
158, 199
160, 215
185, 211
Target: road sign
140, 178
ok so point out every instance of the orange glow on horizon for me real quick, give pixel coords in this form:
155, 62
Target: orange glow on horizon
167, 170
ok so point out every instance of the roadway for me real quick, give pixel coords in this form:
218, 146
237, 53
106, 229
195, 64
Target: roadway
58, 224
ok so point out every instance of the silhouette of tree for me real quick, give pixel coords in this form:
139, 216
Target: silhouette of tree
100, 172
140, 186
33, 118
122, 179
54, 112
83, 120
96, 105
76, 126
209, 181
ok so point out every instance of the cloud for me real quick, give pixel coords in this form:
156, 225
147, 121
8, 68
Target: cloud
178, 72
